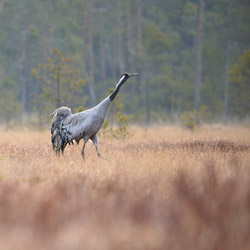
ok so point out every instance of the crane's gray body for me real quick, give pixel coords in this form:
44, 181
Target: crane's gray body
67, 127
85, 124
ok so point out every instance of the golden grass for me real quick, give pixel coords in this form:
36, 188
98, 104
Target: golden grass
164, 188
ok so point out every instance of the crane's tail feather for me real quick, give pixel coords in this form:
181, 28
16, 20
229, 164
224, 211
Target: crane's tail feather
60, 139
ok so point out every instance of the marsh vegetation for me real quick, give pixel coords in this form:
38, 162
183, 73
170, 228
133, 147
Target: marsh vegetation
162, 188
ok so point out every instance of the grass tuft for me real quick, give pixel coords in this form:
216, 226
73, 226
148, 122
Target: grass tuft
163, 188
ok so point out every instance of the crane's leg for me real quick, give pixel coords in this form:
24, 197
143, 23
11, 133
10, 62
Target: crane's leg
94, 139
83, 147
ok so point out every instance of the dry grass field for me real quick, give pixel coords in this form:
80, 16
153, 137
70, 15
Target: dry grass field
163, 188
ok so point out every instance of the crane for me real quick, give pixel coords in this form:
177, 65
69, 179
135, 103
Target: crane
67, 127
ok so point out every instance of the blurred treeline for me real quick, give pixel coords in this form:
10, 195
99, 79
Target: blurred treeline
190, 54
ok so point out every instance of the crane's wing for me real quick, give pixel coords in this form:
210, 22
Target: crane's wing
66, 127
58, 116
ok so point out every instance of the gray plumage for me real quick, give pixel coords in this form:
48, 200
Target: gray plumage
57, 117
67, 127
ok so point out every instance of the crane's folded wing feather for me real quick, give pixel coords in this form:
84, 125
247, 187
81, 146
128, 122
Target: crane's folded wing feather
58, 116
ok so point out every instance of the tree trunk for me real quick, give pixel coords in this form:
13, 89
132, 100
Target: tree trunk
136, 88
198, 49
22, 83
90, 58
102, 50
226, 82
128, 35
58, 91
51, 25
1, 4
226, 79
138, 35
145, 83
119, 39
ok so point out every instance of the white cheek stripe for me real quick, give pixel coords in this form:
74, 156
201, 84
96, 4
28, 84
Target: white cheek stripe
120, 80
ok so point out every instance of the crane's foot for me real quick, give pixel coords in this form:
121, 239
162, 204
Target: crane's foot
102, 157
83, 157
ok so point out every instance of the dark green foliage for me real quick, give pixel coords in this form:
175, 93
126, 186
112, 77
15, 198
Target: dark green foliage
157, 40
9, 106
189, 119
121, 129
240, 85
119, 125
59, 84
192, 119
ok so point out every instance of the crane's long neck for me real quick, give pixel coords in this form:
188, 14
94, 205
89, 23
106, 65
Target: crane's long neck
118, 86
103, 106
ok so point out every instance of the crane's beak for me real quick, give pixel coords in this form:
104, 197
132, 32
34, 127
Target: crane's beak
133, 74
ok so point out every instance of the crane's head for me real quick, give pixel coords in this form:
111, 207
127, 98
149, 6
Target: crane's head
127, 75
124, 77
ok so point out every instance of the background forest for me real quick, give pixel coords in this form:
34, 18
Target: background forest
192, 56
